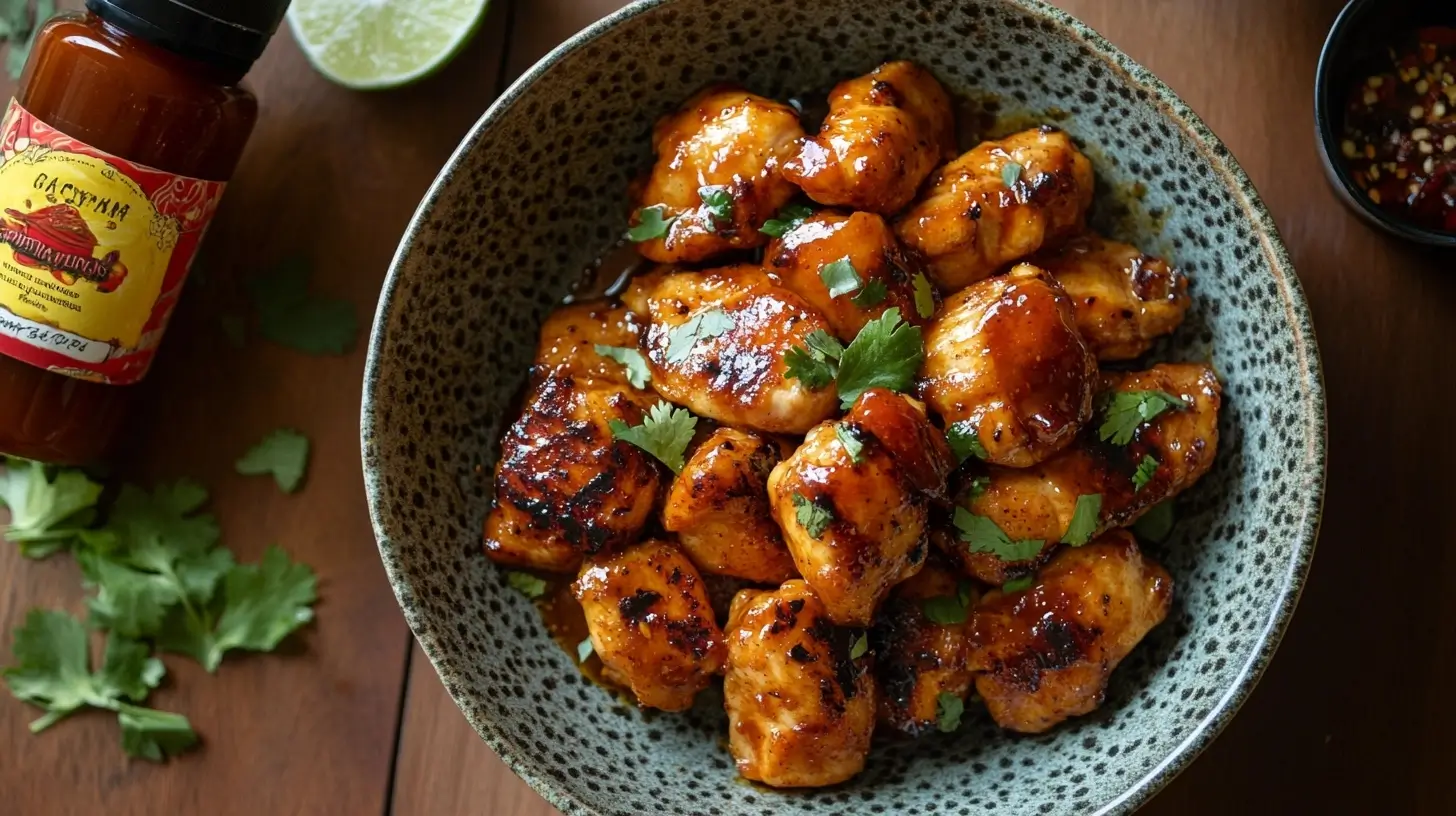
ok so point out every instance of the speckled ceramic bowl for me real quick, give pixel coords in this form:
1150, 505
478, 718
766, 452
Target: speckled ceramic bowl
537, 191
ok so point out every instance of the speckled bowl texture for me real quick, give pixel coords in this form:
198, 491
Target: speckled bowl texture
537, 191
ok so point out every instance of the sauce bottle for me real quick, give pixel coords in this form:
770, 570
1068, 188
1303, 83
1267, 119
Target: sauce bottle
113, 156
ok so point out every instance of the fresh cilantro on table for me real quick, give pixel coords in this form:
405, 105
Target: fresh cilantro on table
924, 296
885, 354
1085, 519
964, 441
283, 455
1146, 469
786, 221
1010, 173
664, 433
53, 672
816, 363
948, 610
948, 711
861, 645
1017, 584
1157, 523
290, 315
638, 374
526, 584
47, 510
814, 518
872, 295
718, 201
1126, 411
852, 446
650, 224
982, 535
840, 277
704, 325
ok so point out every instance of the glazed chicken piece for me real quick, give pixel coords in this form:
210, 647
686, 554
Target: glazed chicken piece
570, 336
969, 222
800, 709
884, 133
1045, 654
718, 506
716, 342
1005, 366
719, 174
1124, 299
651, 623
1038, 504
886, 272
918, 659
854, 519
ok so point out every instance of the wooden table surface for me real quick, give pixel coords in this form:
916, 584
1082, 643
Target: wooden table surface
1351, 718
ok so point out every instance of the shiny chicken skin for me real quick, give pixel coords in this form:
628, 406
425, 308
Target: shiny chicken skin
1038, 503
1123, 298
718, 506
884, 133
1045, 653
736, 377
800, 710
969, 223
917, 659
866, 242
725, 138
1004, 361
651, 623
856, 529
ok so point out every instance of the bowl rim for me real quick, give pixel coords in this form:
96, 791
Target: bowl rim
1313, 414
1328, 141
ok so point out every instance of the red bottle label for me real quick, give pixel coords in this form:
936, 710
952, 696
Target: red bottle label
94, 250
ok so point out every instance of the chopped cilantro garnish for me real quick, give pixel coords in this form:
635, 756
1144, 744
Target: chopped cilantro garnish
872, 295
924, 296
787, 220
1157, 523
583, 650
704, 325
948, 711
812, 517
650, 224
964, 441
1127, 410
861, 645
526, 584
1146, 469
664, 433
948, 610
852, 446
638, 374
840, 277
983, 535
886, 353
816, 364
1017, 584
719, 202
977, 488
1011, 173
1085, 520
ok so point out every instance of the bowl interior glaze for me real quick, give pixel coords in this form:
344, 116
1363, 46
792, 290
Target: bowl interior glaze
537, 191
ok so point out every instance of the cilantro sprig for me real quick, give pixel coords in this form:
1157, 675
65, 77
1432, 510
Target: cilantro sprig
664, 433
872, 295
1085, 520
924, 296
983, 535
718, 201
1018, 584
965, 441
289, 314
851, 443
788, 219
815, 518
705, 325
283, 455
652, 222
638, 373
1126, 411
885, 354
1146, 469
816, 363
48, 510
840, 278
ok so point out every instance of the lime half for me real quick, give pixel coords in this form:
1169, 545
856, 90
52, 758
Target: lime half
370, 44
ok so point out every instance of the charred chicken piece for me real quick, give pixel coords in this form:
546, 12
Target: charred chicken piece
920, 639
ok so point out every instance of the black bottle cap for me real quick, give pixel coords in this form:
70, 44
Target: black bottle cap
228, 33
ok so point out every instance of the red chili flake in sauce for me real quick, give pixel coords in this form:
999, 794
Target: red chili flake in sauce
1400, 132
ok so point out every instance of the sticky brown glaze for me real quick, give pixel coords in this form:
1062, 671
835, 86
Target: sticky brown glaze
1045, 654
863, 239
800, 711
1038, 503
917, 660
718, 506
726, 137
968, 223
878, 510
569, 338
1124, 299
884, 133
564, 486
651, 623
736, 378
1004, 360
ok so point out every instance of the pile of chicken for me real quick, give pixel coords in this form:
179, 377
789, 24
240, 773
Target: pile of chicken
895, 578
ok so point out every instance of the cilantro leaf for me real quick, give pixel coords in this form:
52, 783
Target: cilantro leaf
290, 315
861, 645
526, 584
1011, 173
46, 513
924, 296
638, 374
128, 670
789, 218
1157, 523
1146, 469
583, 650
1126, 411
815, 363
650, 224
665, 433
965, 441
815, 519
152, 734
1017, 584
948, 610
702, 326
885, 354
1085, 520
719, 202
128, 601
283, 454
852, 446
983, 535
872, 295
840, 277
824, 343
948, 711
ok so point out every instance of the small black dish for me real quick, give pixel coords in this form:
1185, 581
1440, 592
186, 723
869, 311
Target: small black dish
1357, 41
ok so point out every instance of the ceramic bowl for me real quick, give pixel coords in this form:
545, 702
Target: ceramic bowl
537, 190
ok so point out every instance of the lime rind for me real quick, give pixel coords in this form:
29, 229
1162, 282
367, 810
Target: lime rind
378, 44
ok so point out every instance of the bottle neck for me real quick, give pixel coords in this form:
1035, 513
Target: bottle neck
202, 69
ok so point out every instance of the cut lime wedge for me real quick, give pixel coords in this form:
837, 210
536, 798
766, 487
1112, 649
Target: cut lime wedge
371, 44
